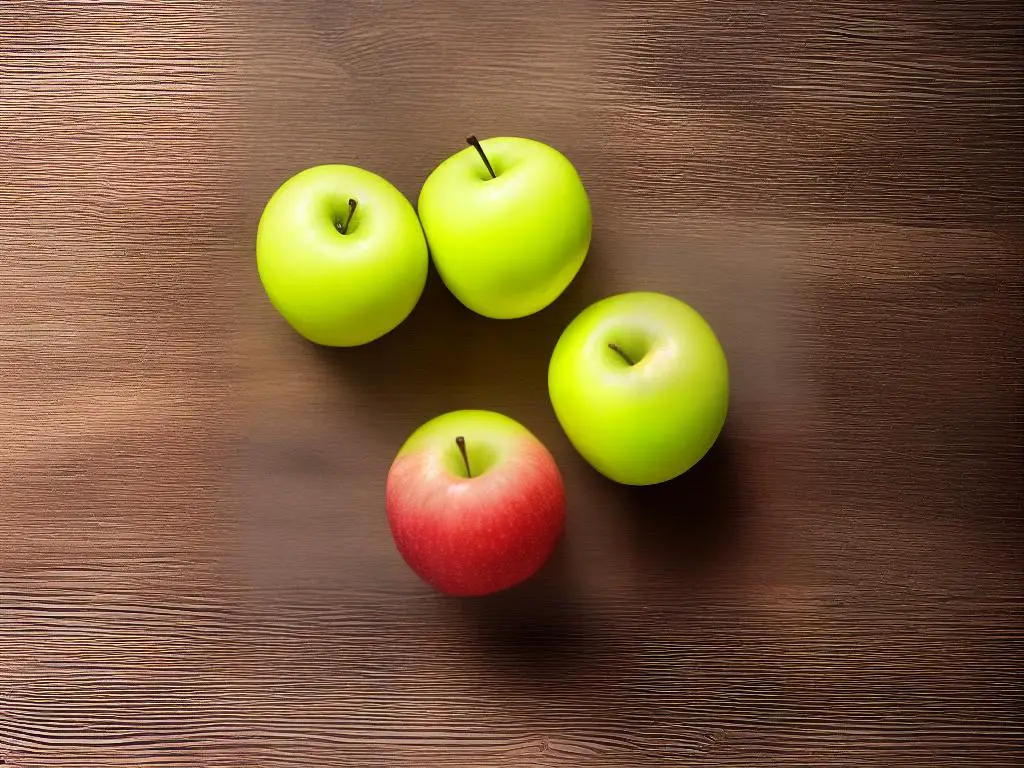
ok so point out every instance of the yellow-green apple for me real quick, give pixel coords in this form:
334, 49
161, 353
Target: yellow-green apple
508, 223
475, 502
640, 384
341, 255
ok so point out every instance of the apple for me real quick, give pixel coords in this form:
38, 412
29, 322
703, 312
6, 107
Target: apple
508, 224
475, 502
341, 255
640, 384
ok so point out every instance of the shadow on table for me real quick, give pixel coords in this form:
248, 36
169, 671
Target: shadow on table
686, 528
540, 628
444, 357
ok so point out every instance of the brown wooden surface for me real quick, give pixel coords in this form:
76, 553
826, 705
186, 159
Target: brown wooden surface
195, 568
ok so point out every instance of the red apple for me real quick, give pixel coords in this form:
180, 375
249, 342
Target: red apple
475, 502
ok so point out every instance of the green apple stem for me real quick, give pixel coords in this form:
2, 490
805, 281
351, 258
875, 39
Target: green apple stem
616, 348
472, 141
461, 442
343, 228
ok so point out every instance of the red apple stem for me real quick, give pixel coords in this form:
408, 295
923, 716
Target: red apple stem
616, 348
343, 228
461, 442
472, 141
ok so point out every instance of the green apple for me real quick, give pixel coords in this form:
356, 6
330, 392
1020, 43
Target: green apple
341, 255
508, 223
640, 384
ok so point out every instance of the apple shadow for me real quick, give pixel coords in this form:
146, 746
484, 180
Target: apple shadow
445, 357
535, 631
688, 527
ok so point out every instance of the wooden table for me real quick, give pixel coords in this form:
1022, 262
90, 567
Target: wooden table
195, 566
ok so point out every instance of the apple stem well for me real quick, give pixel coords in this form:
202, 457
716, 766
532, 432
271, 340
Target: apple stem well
616, 348
472, 141
343, 227
461, 442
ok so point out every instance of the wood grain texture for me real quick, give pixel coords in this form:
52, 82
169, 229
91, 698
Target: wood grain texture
195, 569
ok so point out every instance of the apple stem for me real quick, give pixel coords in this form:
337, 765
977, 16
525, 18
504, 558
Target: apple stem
461, 442
343, 228
472, 141
616, 348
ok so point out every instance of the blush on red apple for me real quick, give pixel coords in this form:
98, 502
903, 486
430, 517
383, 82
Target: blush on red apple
475, 502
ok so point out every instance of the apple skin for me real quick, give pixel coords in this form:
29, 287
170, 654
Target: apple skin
341, 290
472, 536
649, 422
508, 246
